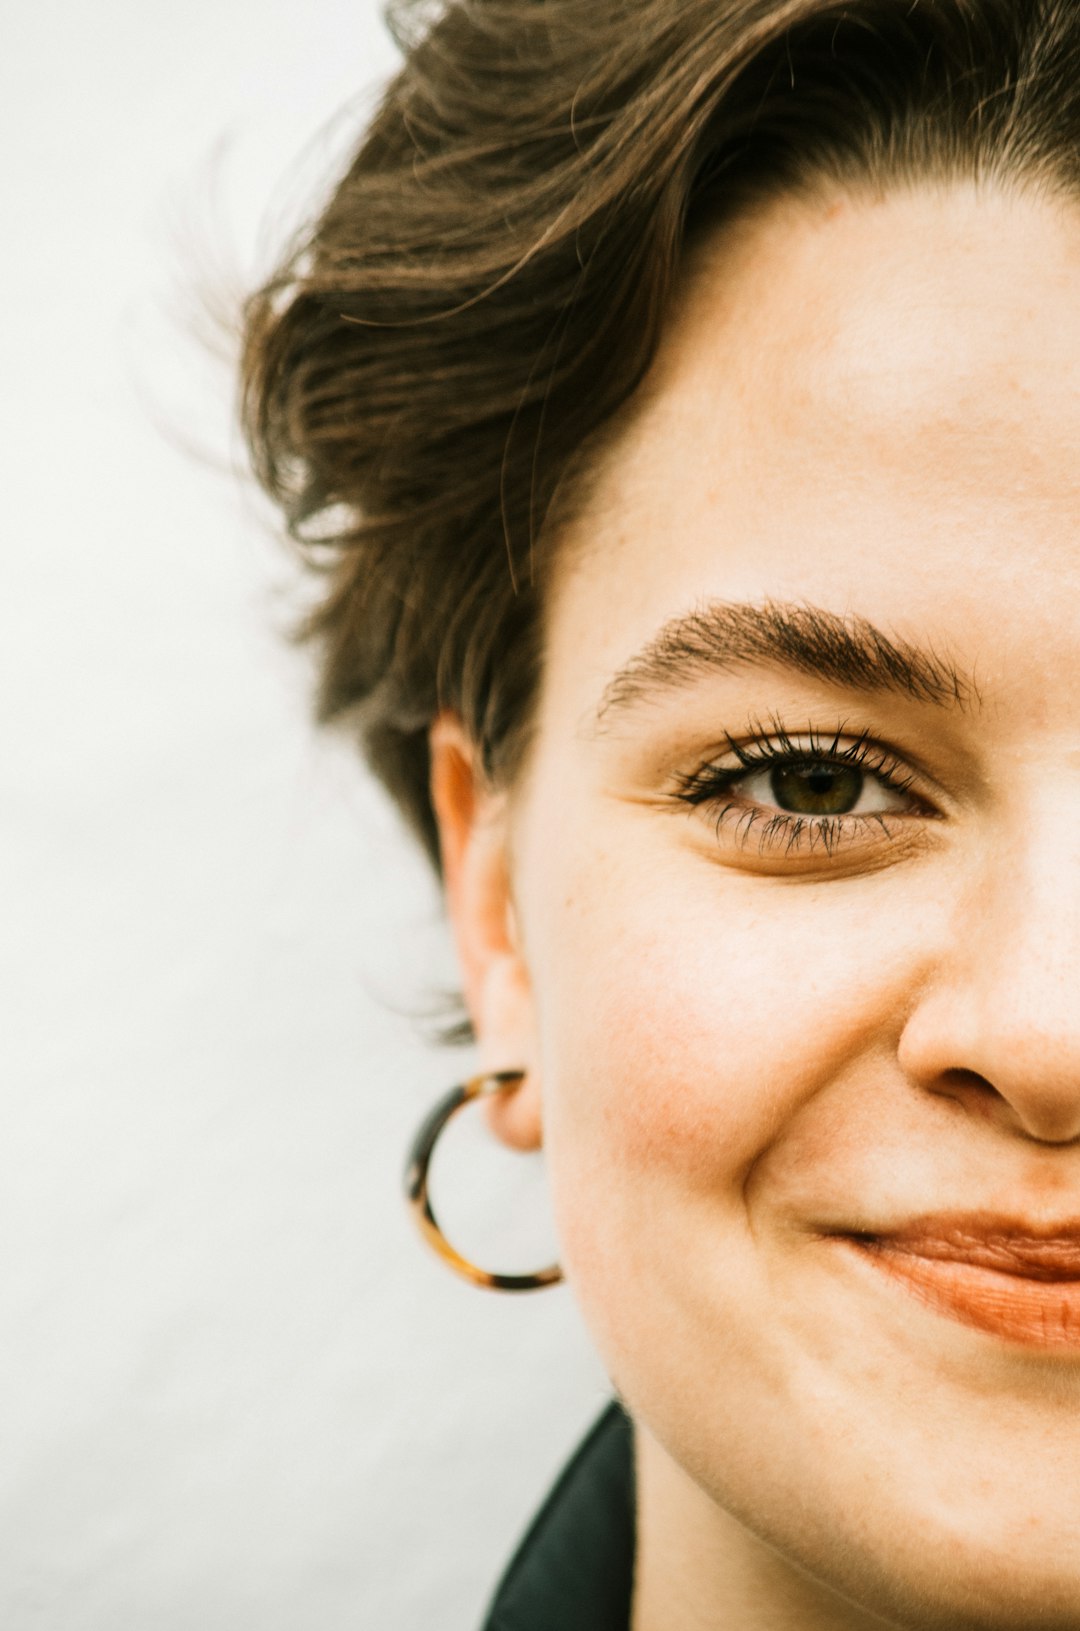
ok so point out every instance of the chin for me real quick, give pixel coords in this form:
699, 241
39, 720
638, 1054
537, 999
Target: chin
976, 1590
1008, 1561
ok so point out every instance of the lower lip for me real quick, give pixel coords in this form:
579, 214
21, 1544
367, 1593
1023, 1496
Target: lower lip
1035, 1313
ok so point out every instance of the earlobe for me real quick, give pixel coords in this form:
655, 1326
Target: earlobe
505, 1012
472, 834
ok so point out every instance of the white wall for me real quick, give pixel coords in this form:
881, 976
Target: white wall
233, 1389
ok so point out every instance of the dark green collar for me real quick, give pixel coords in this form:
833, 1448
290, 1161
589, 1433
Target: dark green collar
574, 1569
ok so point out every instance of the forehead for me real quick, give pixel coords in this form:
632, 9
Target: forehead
872, 404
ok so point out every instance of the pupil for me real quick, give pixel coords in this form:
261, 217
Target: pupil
816, 789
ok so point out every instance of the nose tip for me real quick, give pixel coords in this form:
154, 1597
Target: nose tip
1015, 1066
994, 1020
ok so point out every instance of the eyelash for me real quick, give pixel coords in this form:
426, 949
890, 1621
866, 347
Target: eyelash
712, 784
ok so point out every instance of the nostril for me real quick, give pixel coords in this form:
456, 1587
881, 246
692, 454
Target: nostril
1032, 1110
972, 1093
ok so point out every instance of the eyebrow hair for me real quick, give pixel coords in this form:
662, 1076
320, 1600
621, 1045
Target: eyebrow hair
724, 635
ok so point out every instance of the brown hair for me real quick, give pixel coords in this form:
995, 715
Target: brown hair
489, 281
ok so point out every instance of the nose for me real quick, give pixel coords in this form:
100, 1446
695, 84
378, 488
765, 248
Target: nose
997, 1024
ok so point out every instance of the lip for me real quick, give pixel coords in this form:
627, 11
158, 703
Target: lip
1008, 1278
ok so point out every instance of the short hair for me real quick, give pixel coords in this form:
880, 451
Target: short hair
424, 376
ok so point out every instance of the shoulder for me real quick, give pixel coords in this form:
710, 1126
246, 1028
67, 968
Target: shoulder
574, 1567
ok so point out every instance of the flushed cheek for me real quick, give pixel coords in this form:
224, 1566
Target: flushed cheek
685, 1041
674, 1030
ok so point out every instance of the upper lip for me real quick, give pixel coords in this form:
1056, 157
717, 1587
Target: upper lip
985, 1240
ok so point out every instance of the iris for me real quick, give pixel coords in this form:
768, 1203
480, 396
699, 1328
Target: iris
816, 788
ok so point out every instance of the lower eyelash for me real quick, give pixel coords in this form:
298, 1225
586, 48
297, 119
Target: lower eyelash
800, 832
794, 832
712, 786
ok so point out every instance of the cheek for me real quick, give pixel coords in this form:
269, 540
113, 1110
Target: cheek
692, 1033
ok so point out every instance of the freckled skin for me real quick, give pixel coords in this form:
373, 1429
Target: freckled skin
871, 405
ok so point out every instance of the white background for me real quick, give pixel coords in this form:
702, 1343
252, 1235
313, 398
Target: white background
234, 1392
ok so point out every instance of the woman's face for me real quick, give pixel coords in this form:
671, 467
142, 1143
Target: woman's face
791, 939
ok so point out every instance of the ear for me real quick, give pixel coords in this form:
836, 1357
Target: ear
472, 821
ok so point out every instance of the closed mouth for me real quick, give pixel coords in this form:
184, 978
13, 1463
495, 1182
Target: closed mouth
1011, 1281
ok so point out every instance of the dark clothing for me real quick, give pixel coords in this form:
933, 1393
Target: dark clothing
574, 1569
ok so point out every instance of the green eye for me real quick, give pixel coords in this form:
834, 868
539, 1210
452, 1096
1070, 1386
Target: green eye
816, 788
802, 787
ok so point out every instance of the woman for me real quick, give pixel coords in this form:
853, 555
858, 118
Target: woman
682, 396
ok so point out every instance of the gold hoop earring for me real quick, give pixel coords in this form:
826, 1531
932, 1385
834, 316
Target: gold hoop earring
416, 1184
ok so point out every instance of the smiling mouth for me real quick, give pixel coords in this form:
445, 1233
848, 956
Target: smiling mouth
1012, 1282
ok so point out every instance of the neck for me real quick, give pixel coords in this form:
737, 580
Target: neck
699, 1569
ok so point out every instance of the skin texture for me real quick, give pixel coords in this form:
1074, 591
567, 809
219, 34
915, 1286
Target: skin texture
736, 1049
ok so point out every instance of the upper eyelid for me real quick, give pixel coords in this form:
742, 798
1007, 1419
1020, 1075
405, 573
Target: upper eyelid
886, 764
938, 770
863, 752
775, 739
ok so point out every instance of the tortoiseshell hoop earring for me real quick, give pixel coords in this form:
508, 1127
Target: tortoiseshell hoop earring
416, 1185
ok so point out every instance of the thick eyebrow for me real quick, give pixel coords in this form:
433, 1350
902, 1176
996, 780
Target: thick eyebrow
724, 635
